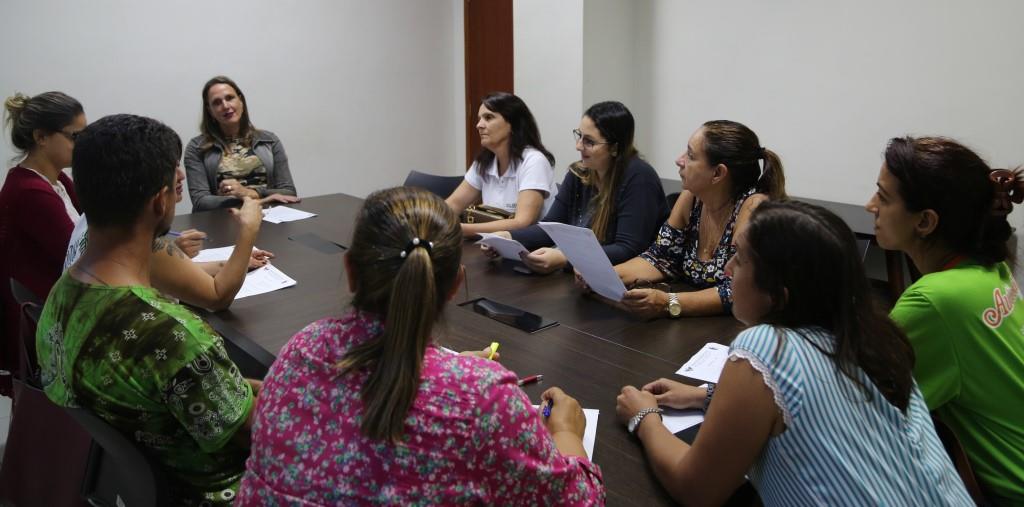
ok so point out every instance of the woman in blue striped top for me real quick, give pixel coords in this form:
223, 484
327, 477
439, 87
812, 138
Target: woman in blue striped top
817, 404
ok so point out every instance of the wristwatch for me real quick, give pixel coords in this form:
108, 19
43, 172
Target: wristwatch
635, 421
674, 308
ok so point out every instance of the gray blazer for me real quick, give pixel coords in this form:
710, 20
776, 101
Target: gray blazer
201, 169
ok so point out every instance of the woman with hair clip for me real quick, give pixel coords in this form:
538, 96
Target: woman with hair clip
369, 409
513, 169
817, 404
610, 189
726, 173
38, 204
230, 158
940, 203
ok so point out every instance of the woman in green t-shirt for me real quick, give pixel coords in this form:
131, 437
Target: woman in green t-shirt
941, 204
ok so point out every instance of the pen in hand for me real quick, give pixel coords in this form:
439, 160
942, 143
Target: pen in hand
547, 408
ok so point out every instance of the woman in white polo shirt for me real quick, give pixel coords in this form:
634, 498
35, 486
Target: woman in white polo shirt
513, 170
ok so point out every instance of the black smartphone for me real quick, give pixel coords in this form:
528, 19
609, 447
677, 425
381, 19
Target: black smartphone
510, 315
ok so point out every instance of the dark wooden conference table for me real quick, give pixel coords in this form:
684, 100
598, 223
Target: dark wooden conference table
594, 351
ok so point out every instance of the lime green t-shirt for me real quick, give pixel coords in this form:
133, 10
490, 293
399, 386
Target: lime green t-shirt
154, 370
967, 328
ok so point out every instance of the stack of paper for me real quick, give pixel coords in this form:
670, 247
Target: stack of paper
584, 251
279, 214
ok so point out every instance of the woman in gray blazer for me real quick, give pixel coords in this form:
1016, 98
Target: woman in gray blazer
231, 159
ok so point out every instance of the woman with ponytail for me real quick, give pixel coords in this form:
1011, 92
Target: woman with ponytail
366, 408
726, 173
941, 204
38, 204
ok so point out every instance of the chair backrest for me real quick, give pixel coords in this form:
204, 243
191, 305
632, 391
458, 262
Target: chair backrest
443, 186
22, 294
671, 199
963, 466
27, 344
143, 481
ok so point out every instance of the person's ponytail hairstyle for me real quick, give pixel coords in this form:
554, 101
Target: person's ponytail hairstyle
751, 166
805, 258
616, 124
48, 112
945, 176
406, 251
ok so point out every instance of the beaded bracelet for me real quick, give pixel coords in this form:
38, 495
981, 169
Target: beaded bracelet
707, 399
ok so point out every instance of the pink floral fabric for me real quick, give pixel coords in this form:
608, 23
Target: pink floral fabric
471, 437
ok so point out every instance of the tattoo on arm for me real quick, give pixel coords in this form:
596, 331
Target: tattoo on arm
168, 246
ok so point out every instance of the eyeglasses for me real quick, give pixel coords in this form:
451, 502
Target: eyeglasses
587, 142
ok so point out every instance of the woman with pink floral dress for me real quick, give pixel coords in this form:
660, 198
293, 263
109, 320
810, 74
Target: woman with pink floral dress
365, 409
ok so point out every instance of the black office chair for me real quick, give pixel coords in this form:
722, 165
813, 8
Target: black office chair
29, 373
140, 481
23, 295
440, 185
671, 199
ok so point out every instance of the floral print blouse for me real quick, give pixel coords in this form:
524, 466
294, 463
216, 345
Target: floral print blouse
471, 436
674, 253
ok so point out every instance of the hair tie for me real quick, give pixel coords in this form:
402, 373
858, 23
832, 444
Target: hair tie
416, 242
1009, 190
761, 153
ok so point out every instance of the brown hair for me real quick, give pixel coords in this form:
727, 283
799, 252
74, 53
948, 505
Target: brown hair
805, 257
49, 112
736, 146
407, 286
209, 127
945, 176
615, 123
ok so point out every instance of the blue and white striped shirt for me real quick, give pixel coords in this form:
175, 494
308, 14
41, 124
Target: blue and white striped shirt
839, 448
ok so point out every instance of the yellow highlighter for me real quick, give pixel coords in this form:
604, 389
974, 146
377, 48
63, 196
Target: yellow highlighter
494, 349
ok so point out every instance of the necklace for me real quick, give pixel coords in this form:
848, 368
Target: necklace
90, 274
711, 237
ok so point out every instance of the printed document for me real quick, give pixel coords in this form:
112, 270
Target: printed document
279, 214
707, 364
508, 248
583, 250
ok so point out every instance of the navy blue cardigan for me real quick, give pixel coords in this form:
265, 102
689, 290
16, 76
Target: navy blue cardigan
640, 208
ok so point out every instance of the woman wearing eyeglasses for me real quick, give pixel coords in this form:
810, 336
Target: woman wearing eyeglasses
726, 174
512, 172
610, 189
38, 205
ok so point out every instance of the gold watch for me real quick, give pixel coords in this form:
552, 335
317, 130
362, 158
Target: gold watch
674, 308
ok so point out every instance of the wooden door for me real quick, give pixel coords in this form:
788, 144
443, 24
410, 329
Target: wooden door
489, 58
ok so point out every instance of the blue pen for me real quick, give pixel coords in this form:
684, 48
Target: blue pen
177, 234
547, 408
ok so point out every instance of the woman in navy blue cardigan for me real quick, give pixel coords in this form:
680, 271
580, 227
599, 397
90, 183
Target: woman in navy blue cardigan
610, 189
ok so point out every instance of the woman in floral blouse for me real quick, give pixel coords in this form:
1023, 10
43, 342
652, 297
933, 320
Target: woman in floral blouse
365, 408
726, 173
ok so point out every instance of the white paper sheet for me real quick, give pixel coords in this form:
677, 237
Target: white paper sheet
706, 364
508, 248
677, 420
590, 432
583, 250
263, 280
279, 214
214, 254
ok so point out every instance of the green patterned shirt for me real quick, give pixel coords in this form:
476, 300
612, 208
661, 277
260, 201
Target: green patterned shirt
154, 370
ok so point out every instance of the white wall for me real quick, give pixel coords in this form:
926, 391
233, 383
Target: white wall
548, 63
360, 92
